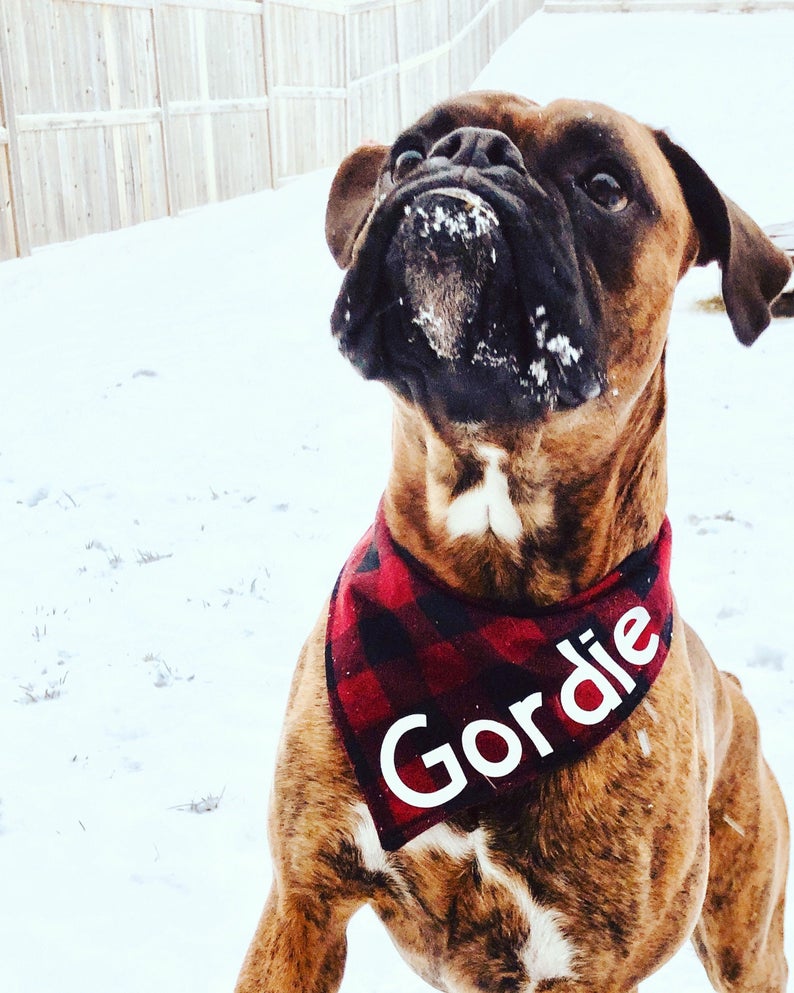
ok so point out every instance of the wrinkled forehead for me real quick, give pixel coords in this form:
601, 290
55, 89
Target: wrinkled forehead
505, 112
564, 125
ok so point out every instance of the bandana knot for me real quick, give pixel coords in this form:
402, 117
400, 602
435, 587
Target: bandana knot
444, 703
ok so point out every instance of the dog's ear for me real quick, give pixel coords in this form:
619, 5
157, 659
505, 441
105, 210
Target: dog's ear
754, 271
351, 199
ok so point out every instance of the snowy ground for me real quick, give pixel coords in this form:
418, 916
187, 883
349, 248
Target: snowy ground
185, 462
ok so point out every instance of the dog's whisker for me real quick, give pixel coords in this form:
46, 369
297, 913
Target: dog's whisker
651, 710
734, 825
645, 742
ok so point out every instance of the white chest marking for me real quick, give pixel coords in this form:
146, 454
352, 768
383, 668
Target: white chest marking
546, 953
486, 505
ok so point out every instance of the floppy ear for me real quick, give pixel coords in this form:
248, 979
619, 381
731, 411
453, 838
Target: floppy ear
754, 271
351, 199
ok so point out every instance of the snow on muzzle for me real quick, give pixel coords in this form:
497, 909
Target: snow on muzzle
443, 254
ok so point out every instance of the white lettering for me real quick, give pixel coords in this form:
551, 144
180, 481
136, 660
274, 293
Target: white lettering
522, 711
585, 673
483, 765
441, 755
598, 654
628, 631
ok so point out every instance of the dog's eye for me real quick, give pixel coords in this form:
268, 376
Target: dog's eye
406, 162
606, 190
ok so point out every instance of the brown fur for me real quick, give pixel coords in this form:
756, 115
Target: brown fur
633, 851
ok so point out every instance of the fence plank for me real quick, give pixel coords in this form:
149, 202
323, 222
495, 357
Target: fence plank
266, 34
14, 239
161, 90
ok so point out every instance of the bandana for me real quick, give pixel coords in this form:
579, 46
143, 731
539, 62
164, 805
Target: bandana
444, 703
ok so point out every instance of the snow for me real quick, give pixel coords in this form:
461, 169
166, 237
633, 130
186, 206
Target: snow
185, 462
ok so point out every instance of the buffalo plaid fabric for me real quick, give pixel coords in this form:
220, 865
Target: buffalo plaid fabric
402, 649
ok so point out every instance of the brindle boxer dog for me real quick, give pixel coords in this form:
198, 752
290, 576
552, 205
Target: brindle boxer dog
511, 270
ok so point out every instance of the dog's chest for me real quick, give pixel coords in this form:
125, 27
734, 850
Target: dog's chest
462, 915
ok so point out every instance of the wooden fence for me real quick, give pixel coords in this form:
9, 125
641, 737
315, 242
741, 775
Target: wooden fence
114, 112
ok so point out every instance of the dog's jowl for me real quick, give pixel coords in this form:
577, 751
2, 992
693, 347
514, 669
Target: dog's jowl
501, 733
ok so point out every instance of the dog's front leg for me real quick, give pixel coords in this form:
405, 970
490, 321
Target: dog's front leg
299, 947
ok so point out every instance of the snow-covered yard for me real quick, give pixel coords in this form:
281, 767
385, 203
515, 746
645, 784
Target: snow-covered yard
185, 462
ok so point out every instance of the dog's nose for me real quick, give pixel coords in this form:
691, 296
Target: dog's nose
478, 147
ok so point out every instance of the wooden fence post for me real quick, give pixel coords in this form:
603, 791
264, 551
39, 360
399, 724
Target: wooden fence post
18, 214
267, 56
272, 125
171, 186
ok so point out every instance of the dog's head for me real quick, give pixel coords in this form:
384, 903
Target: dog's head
506, 260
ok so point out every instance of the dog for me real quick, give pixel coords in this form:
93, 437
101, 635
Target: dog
501, 734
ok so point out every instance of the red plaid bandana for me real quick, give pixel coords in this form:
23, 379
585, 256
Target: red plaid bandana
444, 703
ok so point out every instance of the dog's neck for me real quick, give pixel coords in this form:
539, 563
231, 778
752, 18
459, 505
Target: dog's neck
489, 512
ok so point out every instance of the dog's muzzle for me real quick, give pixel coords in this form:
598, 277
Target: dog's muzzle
465, 295
443, 254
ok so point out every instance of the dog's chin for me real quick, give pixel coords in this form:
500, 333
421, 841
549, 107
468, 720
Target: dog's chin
453, 332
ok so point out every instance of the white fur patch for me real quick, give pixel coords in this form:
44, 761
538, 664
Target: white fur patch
547, 953
441, 837
365, 838
486, 506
